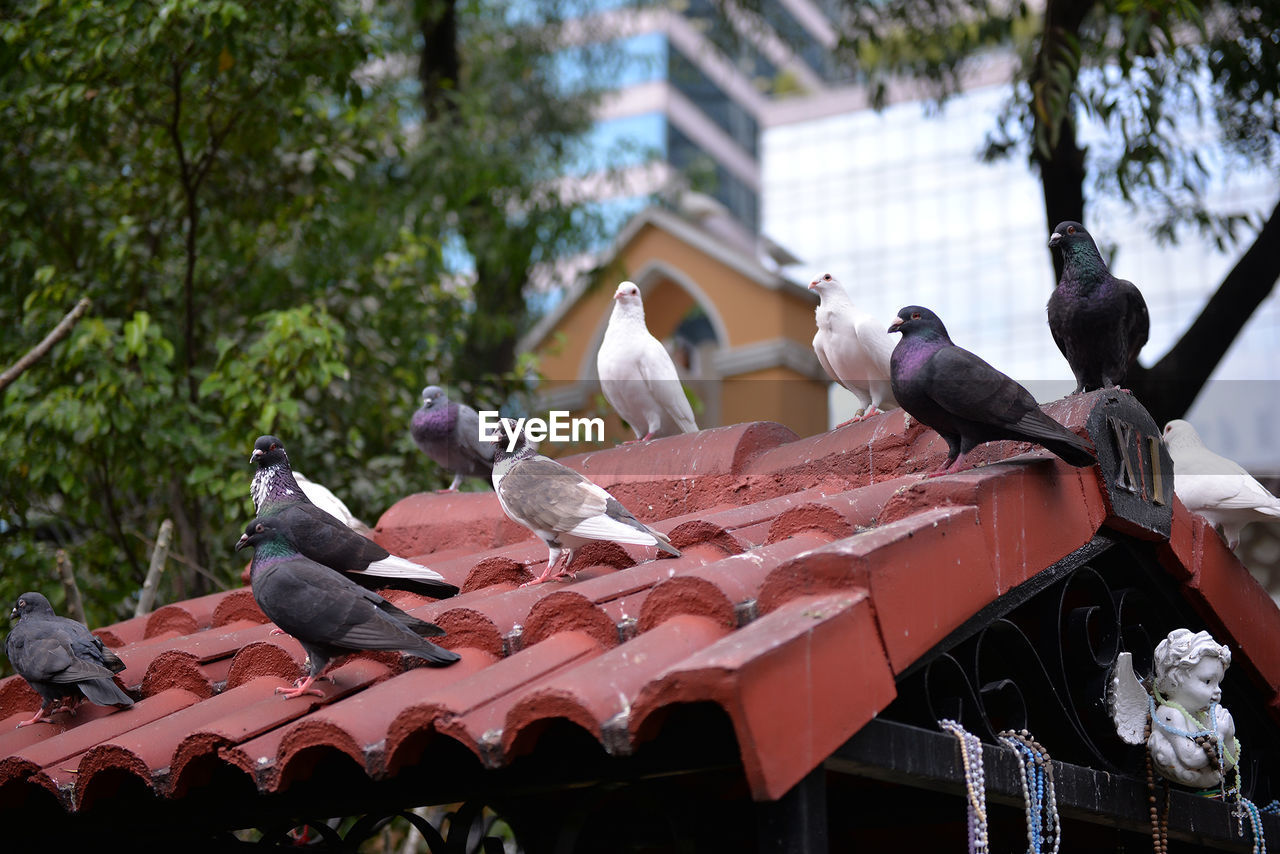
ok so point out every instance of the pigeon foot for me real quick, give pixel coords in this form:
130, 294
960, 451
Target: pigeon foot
552, 571
947, 468
300, 688
39, 717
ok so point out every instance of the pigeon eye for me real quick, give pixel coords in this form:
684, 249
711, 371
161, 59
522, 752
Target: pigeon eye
915, 315
826, 277
1071, 229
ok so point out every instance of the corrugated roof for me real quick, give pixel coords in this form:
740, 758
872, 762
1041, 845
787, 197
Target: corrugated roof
814, 569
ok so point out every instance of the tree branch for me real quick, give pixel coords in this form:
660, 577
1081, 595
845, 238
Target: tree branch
189, 187
38, 352
1062, 169
1169, 387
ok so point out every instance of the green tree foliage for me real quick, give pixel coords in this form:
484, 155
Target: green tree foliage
259, 206
1146, 71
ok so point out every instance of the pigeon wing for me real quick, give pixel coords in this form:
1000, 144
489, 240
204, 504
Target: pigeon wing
1138, 320
324, 539
969, 388
49, 658
820, 350
663, 382
544, 495
467, 438
1224, 492
321, 496
877, 344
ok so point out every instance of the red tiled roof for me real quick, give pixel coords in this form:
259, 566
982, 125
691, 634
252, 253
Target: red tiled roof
814, 570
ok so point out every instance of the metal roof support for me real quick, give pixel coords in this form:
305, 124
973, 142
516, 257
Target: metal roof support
796, 823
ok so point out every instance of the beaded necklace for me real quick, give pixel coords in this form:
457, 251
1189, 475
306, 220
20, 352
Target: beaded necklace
975, 783
1222, 755
1044, 832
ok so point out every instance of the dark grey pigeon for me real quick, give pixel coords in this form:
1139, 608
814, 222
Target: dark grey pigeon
328, 613
325, 539
966, 400
449, 433
60, 659
1099, 322
562, 507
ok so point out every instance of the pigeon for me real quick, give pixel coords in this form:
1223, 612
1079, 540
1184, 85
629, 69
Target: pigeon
1099, 322
323, 538
965, 399
449, 433
853, 348
327, 612
563, 507
1217, 488
61, 659
637, 375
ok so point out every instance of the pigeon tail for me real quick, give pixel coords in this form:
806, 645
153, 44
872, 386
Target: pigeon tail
110, 660
105, 692
432, 654
421, 628
392, 566
1075, 453
1038, 427
664, 543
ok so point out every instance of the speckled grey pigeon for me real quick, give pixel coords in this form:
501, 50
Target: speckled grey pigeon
327, 612
449, 433
323, 538
1099, 322
563, 507
965, 399
637, 375
60, 659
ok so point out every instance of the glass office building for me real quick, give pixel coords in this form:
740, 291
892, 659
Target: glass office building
898, 206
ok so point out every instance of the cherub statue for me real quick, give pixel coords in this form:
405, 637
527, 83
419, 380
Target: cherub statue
1192, 737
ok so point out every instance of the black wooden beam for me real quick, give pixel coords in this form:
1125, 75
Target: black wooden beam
926, 759
796, 823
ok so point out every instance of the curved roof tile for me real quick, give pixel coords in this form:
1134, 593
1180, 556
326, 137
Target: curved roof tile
813, 572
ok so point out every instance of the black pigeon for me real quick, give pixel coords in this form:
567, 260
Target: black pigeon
327, 612
449, 433
325, 539
1099, 322
966, 400
563, 507
61, 659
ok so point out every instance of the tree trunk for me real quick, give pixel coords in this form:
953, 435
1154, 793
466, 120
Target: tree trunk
1060, 159
1169, 387
440, 63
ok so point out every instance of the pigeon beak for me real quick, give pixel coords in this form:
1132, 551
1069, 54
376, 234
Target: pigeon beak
1055, 239
813, 286
897, 321
257, 452
242, 542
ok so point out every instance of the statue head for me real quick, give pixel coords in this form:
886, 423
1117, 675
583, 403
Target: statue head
1189, 667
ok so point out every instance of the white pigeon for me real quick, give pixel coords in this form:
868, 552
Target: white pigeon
1217, 488
637, 375
853, 348
563, 507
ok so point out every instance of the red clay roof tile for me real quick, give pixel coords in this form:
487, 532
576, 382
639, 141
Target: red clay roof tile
812, 571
